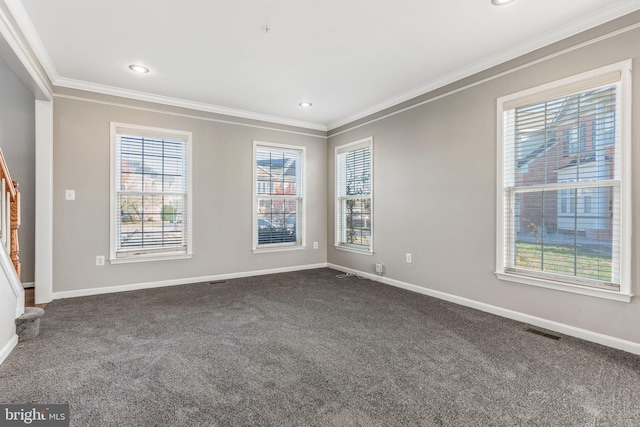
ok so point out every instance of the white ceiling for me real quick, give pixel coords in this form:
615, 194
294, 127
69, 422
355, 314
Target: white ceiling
349, 58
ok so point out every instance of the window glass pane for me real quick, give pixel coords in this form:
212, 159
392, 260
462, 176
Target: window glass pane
277, 221
357, 221
150, 221
130, 167
554, 233
551, 141
277, 171
354, 169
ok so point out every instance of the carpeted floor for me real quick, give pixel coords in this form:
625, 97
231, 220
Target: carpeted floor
307, 348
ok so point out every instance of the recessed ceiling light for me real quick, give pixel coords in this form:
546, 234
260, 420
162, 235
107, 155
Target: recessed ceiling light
305, 104
501, 2
139, 68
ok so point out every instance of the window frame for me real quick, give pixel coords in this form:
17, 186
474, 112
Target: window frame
573, 84
338, 199
300, 243
116, 129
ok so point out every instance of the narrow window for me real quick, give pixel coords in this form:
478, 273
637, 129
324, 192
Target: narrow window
279, 197
150, 214
354, 196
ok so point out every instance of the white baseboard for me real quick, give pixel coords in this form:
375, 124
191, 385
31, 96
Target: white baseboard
629, 346
28, 285
609, 341
8, 347
160, 284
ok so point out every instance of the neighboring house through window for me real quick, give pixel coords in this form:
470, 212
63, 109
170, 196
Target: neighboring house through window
564, 197
150, 193
279, 197
354, 196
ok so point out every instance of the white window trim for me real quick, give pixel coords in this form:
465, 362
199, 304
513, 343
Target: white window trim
279, 247
147, 131
624, 68
337, 244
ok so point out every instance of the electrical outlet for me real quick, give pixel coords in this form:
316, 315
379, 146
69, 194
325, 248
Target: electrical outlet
315, 245
408, 258
379, 268
100, 260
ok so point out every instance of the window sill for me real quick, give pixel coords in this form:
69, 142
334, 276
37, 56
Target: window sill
565, 287
278, 249
148, 258
354, 250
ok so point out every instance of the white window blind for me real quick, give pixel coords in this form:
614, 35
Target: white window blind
151, 193
278, 196
562, 179
354, 196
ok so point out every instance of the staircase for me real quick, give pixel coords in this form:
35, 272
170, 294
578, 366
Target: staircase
27, 322
9, 215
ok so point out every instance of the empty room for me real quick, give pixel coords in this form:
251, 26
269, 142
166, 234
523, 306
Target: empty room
295, 213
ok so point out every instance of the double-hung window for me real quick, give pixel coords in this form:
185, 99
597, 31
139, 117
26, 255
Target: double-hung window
564, 208
278, 197
354, 196
150, 193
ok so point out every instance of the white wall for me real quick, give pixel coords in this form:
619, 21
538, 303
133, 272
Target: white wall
435, 190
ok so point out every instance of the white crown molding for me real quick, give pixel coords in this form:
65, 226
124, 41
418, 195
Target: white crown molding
31, 35
183, 103
17, 41
21, 17
490, 78
190, 116
571, 29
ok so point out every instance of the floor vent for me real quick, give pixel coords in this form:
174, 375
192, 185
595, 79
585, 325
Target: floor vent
216, 282
543, 334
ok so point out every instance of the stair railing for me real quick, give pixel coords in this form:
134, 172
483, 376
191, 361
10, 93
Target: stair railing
9, 214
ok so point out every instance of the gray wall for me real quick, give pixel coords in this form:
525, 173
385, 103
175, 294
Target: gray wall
17, 140
222, 196
435, 194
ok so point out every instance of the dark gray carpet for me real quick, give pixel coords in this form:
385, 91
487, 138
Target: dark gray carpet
306, 348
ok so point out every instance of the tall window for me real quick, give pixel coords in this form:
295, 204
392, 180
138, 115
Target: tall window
278, 196
572, 222
150, 206
354, 196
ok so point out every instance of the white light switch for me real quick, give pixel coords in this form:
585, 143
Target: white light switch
70, 194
